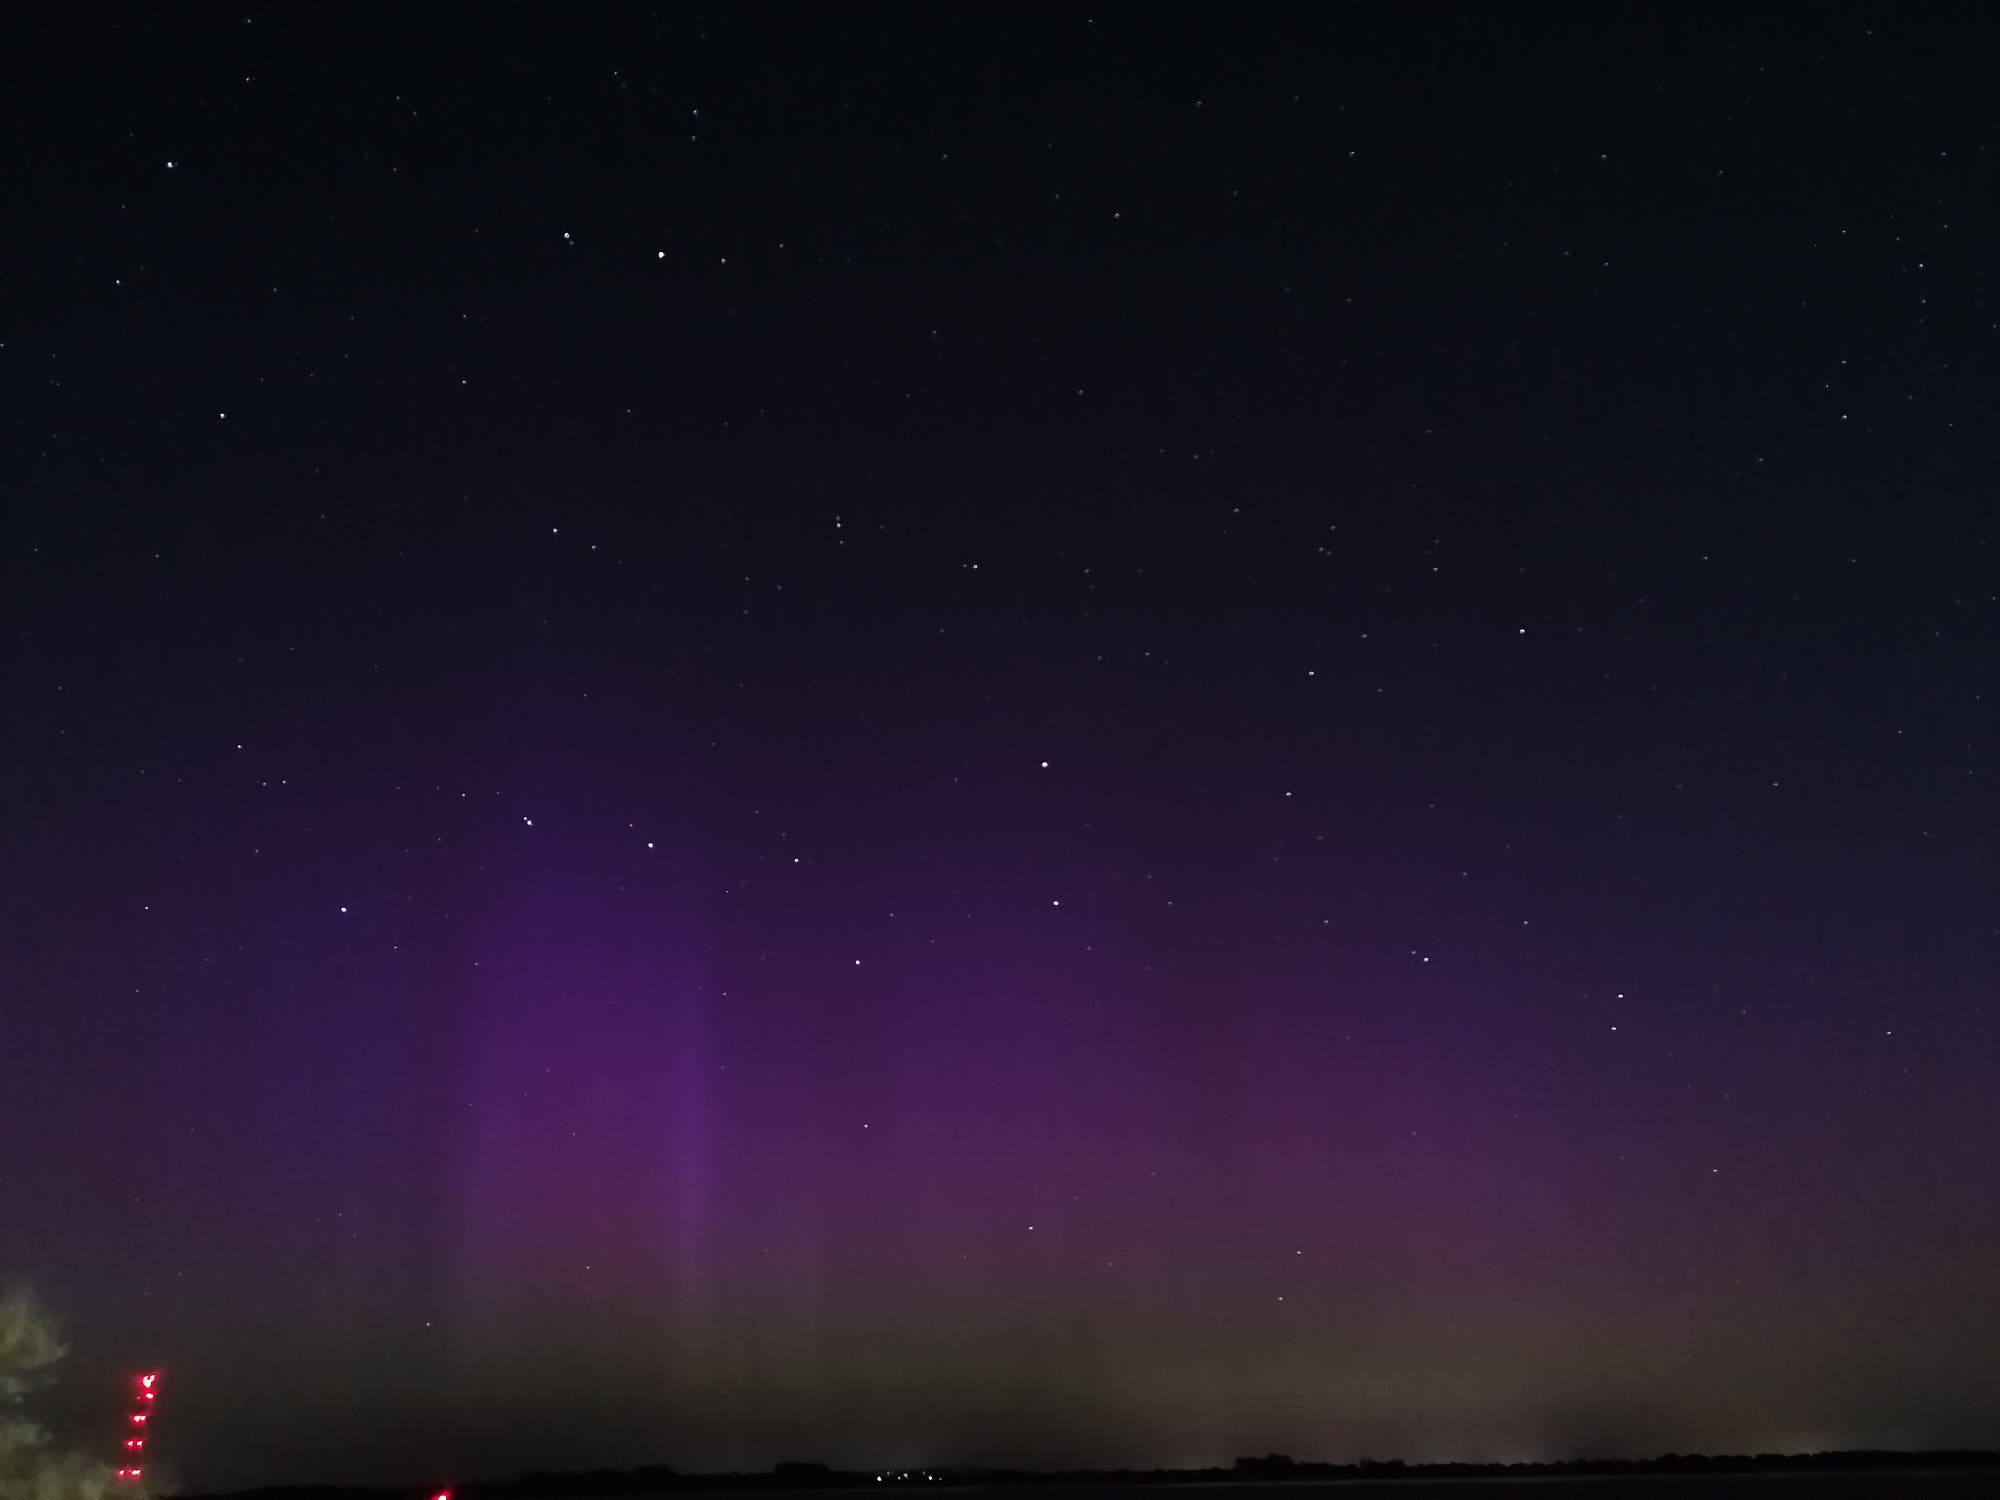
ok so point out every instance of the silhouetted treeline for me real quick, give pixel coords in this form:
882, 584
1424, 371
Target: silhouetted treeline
654, 1479
1279, 1466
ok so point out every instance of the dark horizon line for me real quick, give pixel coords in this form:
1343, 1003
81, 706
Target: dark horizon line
1273, 1468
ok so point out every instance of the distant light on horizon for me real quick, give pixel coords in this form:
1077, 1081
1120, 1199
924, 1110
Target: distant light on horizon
1603, 1102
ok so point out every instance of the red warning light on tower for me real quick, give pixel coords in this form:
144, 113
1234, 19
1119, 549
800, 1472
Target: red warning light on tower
147, 1393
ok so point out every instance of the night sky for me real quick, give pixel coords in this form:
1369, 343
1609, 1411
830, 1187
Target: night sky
998, 734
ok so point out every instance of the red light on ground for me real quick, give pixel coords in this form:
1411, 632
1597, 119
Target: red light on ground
138, 1419
146, 1381
442, 1495
130, 1473
133, 1445
146, 1396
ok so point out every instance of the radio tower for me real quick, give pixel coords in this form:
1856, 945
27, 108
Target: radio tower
147, 1391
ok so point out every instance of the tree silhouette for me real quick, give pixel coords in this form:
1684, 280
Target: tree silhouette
30, 1468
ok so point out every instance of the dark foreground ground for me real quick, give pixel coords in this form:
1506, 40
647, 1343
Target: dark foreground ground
1883, 1485
1888, 1485
1924, 1477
